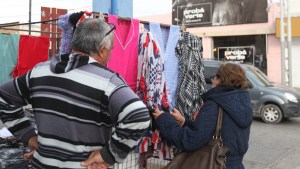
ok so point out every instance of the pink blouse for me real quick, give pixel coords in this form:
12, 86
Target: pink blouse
124, 56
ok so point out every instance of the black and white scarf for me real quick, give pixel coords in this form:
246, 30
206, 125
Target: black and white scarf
191, 75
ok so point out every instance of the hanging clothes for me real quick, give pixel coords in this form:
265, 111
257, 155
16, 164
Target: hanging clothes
191, 75
66, 35
32, 50
85, 15
151, 88
167, 39
74, 18
9, 46
68, 23
151, 85
124, 56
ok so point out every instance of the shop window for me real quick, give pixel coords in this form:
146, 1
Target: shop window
244, 49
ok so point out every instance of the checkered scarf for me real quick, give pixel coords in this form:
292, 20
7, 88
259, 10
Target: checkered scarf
191, 75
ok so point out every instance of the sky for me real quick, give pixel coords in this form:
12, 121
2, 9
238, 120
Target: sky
18, 10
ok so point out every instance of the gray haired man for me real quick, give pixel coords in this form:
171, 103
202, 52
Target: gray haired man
86, 115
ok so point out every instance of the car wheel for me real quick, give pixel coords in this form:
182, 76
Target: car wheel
270, 113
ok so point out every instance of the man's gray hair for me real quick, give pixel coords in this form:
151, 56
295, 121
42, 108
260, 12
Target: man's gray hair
90, 35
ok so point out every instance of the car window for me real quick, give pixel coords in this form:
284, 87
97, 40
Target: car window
262, 75
258, 76
209, 72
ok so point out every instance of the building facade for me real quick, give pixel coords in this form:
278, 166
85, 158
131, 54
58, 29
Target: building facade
253, 43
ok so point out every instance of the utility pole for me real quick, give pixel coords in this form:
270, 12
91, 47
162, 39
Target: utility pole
282, 41
114, 7
289, 39
286, 43
29, 26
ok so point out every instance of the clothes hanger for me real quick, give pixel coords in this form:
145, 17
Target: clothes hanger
182, 28
88, 13
5, 33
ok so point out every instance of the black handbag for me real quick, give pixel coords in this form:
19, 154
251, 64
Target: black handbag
211, 156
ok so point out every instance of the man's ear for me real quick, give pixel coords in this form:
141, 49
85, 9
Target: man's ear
102, 51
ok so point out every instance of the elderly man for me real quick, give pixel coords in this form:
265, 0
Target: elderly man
86, 115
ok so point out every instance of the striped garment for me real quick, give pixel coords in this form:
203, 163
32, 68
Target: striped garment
79, 106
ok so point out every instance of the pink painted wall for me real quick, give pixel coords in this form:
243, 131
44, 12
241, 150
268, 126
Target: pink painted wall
274, 58
207, 47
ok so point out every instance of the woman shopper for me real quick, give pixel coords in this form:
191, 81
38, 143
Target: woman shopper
228, 92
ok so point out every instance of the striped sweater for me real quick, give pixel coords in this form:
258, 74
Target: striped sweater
79, 106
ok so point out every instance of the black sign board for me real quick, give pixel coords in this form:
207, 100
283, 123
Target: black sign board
192, 13
199, 14
242, 54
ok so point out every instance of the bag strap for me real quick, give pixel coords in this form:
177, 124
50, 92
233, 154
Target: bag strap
219, 124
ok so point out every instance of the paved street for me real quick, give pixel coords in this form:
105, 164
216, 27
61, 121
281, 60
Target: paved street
274, 146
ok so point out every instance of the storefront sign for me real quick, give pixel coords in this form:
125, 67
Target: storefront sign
195, 14
240, 54
191, 13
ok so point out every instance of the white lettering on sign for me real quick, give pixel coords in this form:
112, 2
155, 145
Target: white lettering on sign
236, 54
194, 13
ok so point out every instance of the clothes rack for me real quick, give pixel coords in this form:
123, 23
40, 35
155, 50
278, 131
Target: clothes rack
13, 29
5, 33
141, 21
29, 23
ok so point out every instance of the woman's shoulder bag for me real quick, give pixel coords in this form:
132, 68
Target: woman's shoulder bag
211, 156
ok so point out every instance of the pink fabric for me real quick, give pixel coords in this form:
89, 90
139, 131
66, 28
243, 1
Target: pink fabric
124, 57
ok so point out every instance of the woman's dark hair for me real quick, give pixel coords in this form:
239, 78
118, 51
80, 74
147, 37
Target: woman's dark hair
232, 75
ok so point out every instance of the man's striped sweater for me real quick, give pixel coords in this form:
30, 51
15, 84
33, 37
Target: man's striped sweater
79, 106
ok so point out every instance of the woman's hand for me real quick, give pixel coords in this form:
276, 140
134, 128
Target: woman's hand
156, 112
178, 117
32, 144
